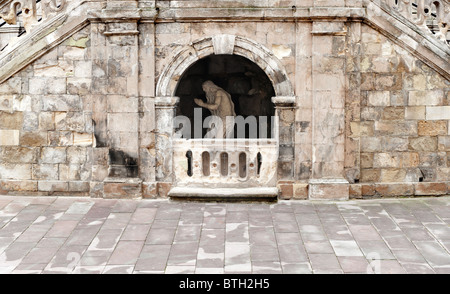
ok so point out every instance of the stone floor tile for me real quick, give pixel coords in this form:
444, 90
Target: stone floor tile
188, 233
323, 261
417, 268
264, 253
143, 215
346, 248
118, 269
214, 222
180, 269
80, 207
262, 236
266, 267
136, 232
292, 253
237, 233
160, 236
296, 268
40, 255
88, 270
153, 258
126, 253
388, 267
408, 255
208, 270
312, 233
364, 232
236, 256
318, 247
288, 238
183, 253
212, 237
61, 228
440, 231
374, 249
354, 264
434, 253
236, 217
418, 234
211, 256
106, 239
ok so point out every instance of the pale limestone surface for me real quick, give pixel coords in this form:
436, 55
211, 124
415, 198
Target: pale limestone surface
87, 98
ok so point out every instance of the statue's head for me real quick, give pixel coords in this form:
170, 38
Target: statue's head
208, 86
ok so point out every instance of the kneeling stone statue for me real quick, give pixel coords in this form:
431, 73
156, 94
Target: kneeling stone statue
220, 104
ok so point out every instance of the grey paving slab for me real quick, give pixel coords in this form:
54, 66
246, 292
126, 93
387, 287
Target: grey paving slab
110, 236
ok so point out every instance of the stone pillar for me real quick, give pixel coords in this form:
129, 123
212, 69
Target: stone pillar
285, 111
164, 115
328, 111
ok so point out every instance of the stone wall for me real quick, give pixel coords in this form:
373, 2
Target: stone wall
46, 127
365, 116
402, 128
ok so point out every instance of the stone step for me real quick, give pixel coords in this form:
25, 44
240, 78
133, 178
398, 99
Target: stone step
224, 194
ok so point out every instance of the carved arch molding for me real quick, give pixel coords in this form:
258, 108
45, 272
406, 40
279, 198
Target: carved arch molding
224, 44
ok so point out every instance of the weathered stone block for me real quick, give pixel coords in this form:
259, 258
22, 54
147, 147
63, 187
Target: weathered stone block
79, 186
432, 128
396, 128
60, 138
45, 172
355, 191
423, 143
370, 175
76, 155
328, 189
393, 175
418, 98
53, 155
425, 189
384, 160
437, 112
378, 98
122, 188
415, 112
33, 139
19, 185
163, 189
17, 154
393, 113
300, 190
53, 186
15, 171
46, 121
149, 190
11, 121
286, 189
394, 189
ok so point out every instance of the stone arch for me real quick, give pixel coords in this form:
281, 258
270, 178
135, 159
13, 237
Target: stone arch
224, 44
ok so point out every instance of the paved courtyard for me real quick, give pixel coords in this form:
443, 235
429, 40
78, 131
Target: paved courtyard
84, 235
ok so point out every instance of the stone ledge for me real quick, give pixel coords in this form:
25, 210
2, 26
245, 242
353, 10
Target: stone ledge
224, 193
122, 188
328, 189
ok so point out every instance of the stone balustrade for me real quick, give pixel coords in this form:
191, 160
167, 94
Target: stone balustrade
424, 13
30, 12
237, 162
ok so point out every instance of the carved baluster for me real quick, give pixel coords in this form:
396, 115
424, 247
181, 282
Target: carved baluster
423, 12
51, 7
443, 19
28, 7
29, 14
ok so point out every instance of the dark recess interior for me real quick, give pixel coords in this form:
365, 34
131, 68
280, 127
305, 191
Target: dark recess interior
250, 88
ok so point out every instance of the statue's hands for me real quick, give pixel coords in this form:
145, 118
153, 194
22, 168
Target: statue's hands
199, 102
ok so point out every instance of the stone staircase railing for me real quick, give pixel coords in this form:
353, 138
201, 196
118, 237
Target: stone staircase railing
426, 14
30, 11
